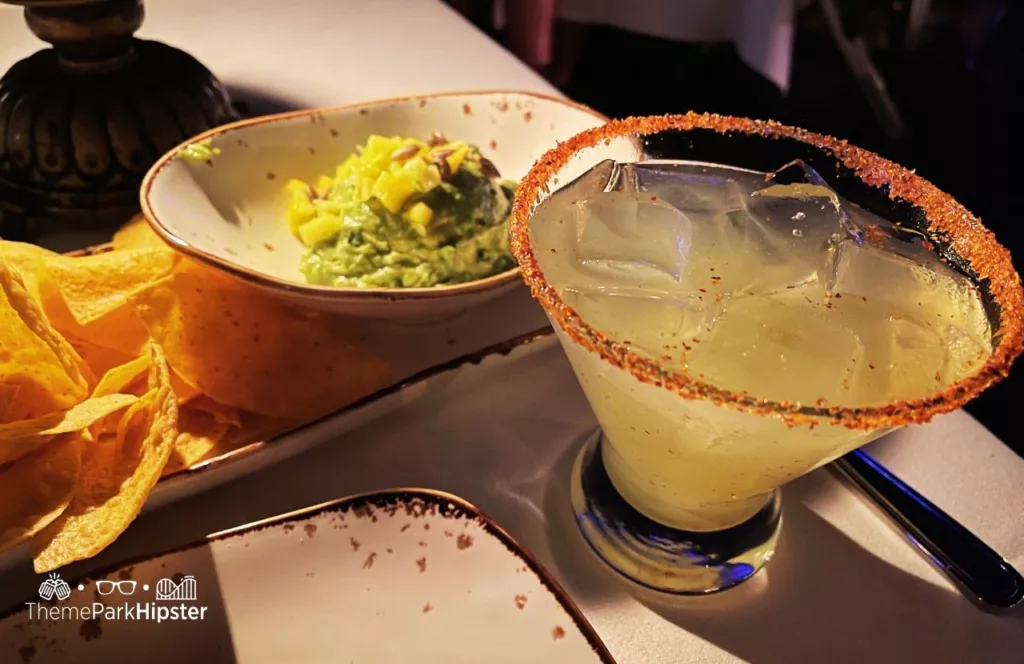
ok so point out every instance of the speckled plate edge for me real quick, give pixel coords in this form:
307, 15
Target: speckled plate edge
384, 499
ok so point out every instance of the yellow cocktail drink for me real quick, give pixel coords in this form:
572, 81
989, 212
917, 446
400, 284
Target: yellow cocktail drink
734, 328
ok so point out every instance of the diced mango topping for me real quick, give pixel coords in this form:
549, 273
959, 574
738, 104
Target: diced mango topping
297, 189
322, 228
393, 171
300, 212
324, 184
392, 189
419, 215
455, 158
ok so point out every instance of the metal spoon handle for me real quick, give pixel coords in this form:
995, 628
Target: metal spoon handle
980, 573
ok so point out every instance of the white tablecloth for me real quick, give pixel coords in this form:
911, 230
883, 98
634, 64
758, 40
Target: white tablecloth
808, 606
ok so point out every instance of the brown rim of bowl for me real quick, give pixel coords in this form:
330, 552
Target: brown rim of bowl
972, 241
331, 292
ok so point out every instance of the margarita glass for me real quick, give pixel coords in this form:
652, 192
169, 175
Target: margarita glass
733, 330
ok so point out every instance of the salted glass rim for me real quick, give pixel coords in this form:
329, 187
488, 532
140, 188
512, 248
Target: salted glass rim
968, 238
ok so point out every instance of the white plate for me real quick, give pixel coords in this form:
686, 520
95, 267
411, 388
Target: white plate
399, 576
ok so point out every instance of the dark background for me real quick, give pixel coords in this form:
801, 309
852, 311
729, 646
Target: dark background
956, 83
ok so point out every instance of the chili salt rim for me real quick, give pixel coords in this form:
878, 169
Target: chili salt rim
966, 235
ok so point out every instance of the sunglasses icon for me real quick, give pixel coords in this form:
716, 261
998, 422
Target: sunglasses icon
123, 587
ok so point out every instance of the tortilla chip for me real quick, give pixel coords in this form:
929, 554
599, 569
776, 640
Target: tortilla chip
121, 379
34, 358
100, 359
94, 286
219, 411
35, 489
129, 378
120, 330
137, 234
246, 349
183, 390
28, 260
19, 438
116, 477
7, 396
199, 433
86, 297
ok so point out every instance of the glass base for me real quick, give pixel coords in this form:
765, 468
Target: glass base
658, 556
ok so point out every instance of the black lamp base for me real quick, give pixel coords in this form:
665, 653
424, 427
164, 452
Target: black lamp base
81, 123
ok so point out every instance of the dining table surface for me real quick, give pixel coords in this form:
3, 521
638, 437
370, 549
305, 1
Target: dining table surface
844, 586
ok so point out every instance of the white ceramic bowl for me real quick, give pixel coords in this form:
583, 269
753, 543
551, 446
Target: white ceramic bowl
230, 213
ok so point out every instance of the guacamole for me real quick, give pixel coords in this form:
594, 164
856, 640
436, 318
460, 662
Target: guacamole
404, 213
199, 152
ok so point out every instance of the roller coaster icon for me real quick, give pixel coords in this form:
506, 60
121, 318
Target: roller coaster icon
168, 590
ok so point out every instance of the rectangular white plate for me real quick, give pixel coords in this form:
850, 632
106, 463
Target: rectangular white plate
392, 577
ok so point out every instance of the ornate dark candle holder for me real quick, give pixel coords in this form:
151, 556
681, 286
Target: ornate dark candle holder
81, 123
